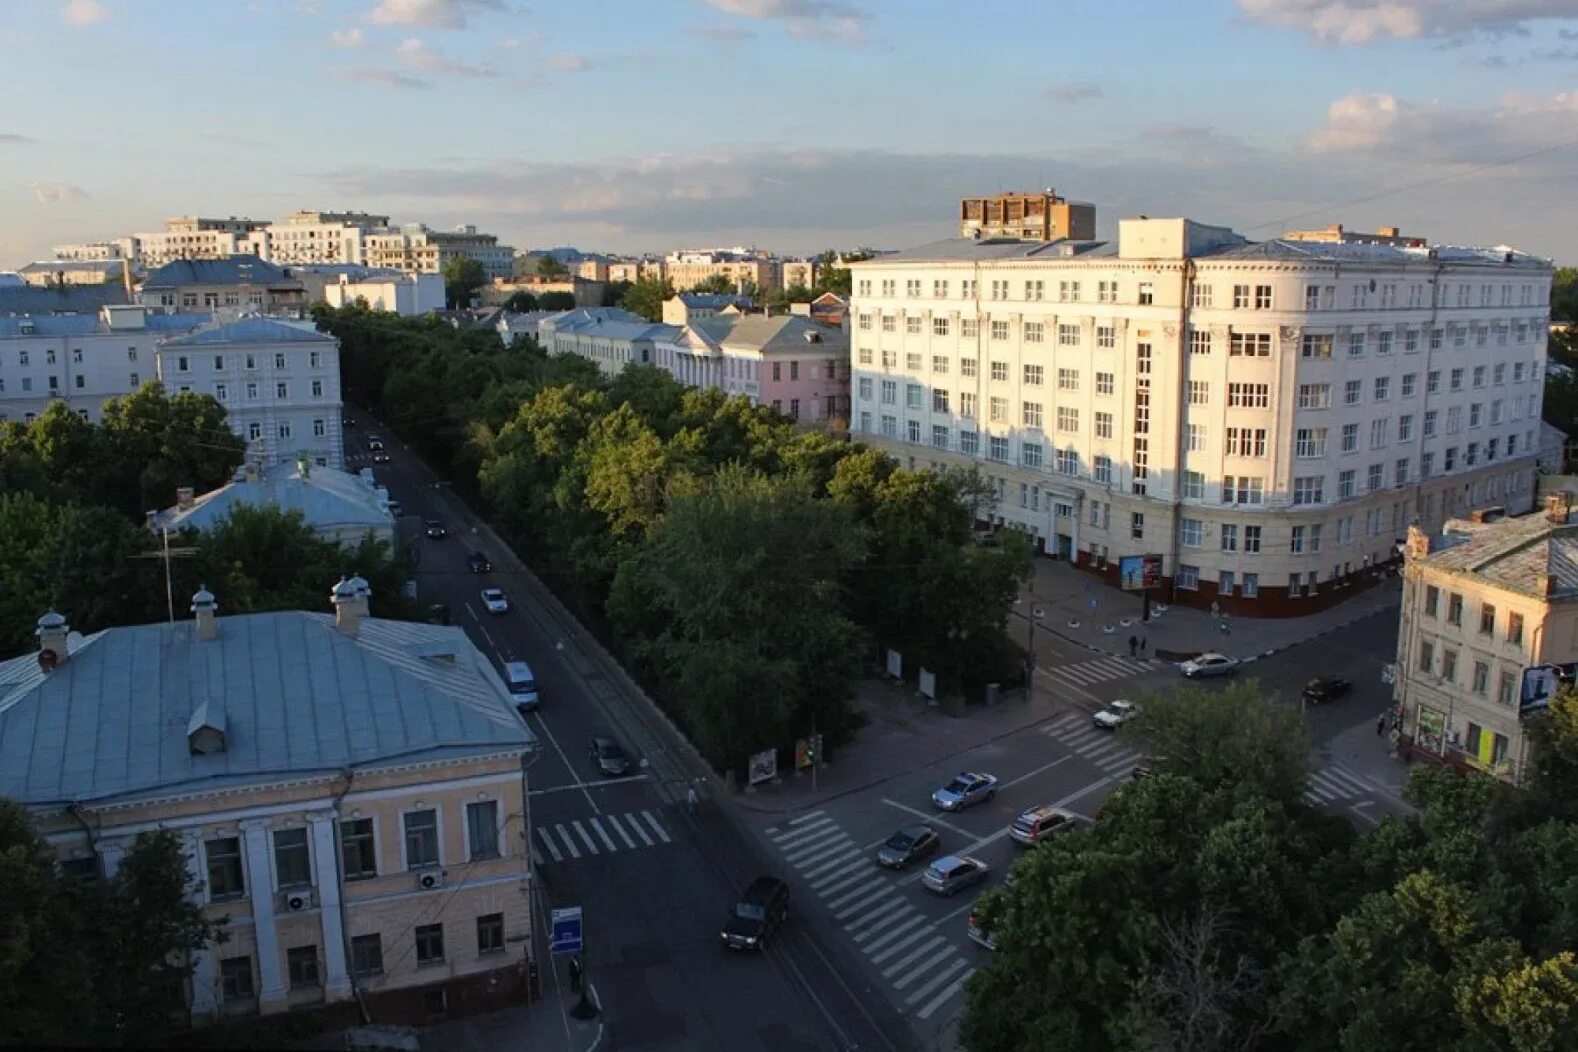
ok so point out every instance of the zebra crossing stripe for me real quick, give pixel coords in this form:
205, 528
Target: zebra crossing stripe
818, 852
830, 884
958, 965
614, 821
947, 992
833, 864
919, 951
863, 928
547, 842
579, 828
802, 819
872, 881
875, 950
602, 835
536, 856
790, 840
657, 827
568, 840
878, 956
1341, 776
640, 832
857, 905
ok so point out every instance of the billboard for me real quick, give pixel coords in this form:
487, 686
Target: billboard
1540, 683
1139, 572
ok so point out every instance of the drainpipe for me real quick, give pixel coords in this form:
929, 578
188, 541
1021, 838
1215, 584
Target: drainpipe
1434, 285
345, 913
1186, 280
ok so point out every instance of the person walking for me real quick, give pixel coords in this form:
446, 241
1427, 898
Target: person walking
1134, 645
691, 799
1380, 725
1143, 644
575, 975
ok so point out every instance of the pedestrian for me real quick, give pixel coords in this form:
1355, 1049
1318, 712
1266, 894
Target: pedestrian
691, 799
1134, 645
1143, 644
1380, 725
575, 975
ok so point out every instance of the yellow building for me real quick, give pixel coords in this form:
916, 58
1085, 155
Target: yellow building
1037, 216
1489, 625
350, 791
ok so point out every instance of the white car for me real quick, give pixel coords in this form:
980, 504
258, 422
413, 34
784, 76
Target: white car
1115, 715
1209, 665
495, 601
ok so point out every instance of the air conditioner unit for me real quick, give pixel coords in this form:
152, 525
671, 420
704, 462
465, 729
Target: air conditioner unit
430, 880
297, 900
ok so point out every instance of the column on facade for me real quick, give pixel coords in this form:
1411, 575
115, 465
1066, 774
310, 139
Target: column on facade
111, 854
205, 969
326, 856
261, 887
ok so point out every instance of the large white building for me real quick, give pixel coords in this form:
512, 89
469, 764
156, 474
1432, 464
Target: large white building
416, 249
315, 237
279, 380
1269, 418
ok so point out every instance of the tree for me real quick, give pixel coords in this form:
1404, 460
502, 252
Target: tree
614, 292
520, 302
550, 268
720, 284
798, 294
1226, 738
163, 442
1564, 294
1560, 408
463, 276
646, 297
556, 301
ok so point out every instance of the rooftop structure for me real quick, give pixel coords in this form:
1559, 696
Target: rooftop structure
1042, 216
337, 505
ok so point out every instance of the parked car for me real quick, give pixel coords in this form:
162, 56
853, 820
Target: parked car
374, 445
964, 791
908, 844
1326, 688
979, 935
349, 421
380, 458
495, 601
1041, 823
759, 913
1115, 715
607, 756
1209, 665
435, 529
953, 873
396, 509
477, 562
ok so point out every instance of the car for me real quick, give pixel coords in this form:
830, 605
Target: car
953, 873
477, 562
1115, 715
607, 756
374, 445
495, 601
396, 509
1326, 688
435, 529
759, 913
349, 422
907, 844
1209, 665
380, 458
979, 935
965, 790
1041, 823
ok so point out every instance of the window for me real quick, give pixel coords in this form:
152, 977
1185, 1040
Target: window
939, 439
429, 943
225, 880
1427, 656
890, 392
1189, 532
1146, 293
1378, 431
1410, 384
1106, 336
1376, 477
1000, 372
254, 430
999, 290
1137, 526
1194, 485
1196, 440
1243, 489
235, 977
490, 933
1200, 341
1246, 441
314, 360
865, 387
1249, 345
939, 326
968, 367
912, 430
1476, 414
914, 396
1479, 376
1309, 442
1449, 665
1029, 452
912, 326
1309, 489
1067, 418
997, 448
1405, 427
1515, 629
1199, 392
1481, 681
1431, 416
279, 361
969, 328
284, 431
912, 287
1251, 541
999, 410
357, 849
1067, 379
1107, 292
1454, 609
999, 330
1356, 345
967, 404
1400, 472
1103, 470
1315, 345
1487, 619
1432, 600
1427, 463
1104, 383
79, 381
1249, 396
317, 388
367, 954
939, 400
292, 863
1383, 388
1314, 396
969, 443
1240, 297
1347, 482
303, 964
939, 289
281, 389
1187, 577
1067, 462
1068, 335
1383, 342
1456, 379
1352, 392
482, 829
1230, 537
1433, 381
888, 323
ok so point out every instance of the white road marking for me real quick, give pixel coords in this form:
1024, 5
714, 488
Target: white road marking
589, 785
568, 841
566, 760
579, 828
800, 819
850, 894
848, 858
958, 965
1356, 809
547, 842
818, 852
919, 951
603, 836
947, 992
897, 936
1032, 774
536, 856
614, 821
828, 885
927, 815
865, 927
856, 905
790, 838
657, 827
640, 832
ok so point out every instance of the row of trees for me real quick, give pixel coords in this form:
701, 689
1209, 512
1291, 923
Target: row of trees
1210, 908
745, 567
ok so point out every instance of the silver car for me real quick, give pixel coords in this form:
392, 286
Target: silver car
907, 845
1209, 665
953, 872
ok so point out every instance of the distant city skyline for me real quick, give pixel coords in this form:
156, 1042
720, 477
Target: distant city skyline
793, 125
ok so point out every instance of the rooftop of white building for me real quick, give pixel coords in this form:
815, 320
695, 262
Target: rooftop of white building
252, 330
96, 324
327, 499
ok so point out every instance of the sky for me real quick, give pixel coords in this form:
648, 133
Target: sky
794, 125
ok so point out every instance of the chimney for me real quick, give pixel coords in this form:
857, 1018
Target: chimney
205, 610
349, 600
1335, 228
185, 497
1389, 231
1556, 505
1418, 543
52, 647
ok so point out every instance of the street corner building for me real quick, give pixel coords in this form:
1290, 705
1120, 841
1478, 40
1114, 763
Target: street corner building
1488, 630
350, 792
1265, 418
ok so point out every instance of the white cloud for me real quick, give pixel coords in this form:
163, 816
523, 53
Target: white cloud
1430, 133
384, 78
436, 14
50, 193
721, 34
418, 56
84, 12
830, 20
347, 38
565, 62
14, 139
1073, 92
1347, 22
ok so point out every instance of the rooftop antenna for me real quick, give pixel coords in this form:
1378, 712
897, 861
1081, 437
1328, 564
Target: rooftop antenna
166, 553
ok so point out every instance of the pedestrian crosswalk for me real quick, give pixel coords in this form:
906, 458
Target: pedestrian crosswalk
1106, 749
1335, 782
1098, 670
603, 835
925, 962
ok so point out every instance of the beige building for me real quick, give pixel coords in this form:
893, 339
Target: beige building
242, 282
1268, 417
54, 273
1038, 216
416, 249
350, 792
194, 237
1335, 234
800, 272
690, 268
1489, 626
587, 293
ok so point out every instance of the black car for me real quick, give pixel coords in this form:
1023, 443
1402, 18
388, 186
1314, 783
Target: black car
908, 844
374, 446
1326, 688
435, 529
607, 756
350, 422
478, 562
760, 911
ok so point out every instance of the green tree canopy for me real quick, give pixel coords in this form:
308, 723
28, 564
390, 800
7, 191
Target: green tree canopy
550, 268
463, 276
646, 297
520, 302
716, 283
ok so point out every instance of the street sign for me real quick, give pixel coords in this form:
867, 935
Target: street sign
567, 931
763, 766
802, 754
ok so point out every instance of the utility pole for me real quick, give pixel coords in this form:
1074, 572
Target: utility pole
166, 553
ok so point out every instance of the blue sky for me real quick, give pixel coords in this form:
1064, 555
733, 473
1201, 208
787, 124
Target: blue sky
631, 125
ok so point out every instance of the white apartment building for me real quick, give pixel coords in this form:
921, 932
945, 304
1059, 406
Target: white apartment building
96, 251
1268, 417
81, 359
409, 295
279, 380
416, 249
194, 237
315, 237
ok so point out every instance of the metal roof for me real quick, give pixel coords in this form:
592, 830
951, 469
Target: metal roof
297, 696
984, 249
1341, 252
232, 270
93, 325
1514, 554
326, 498
86, 299
252, 330
767, 334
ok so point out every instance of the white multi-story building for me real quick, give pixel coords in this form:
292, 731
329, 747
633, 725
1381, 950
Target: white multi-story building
81, 359
1267, 417
279, 380
315, 237
416, 249
97, 251
194, 237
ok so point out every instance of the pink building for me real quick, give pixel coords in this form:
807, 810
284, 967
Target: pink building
798, 366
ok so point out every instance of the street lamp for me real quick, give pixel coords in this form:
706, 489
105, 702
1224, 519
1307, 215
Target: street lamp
1035, 615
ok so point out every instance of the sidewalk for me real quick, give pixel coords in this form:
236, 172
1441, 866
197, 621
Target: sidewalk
1083, 609
540, 1027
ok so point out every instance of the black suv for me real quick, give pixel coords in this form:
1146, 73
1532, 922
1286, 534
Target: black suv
1326, 688
478, 562
760, 911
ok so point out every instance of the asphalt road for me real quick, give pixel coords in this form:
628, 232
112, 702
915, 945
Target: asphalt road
654, 879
